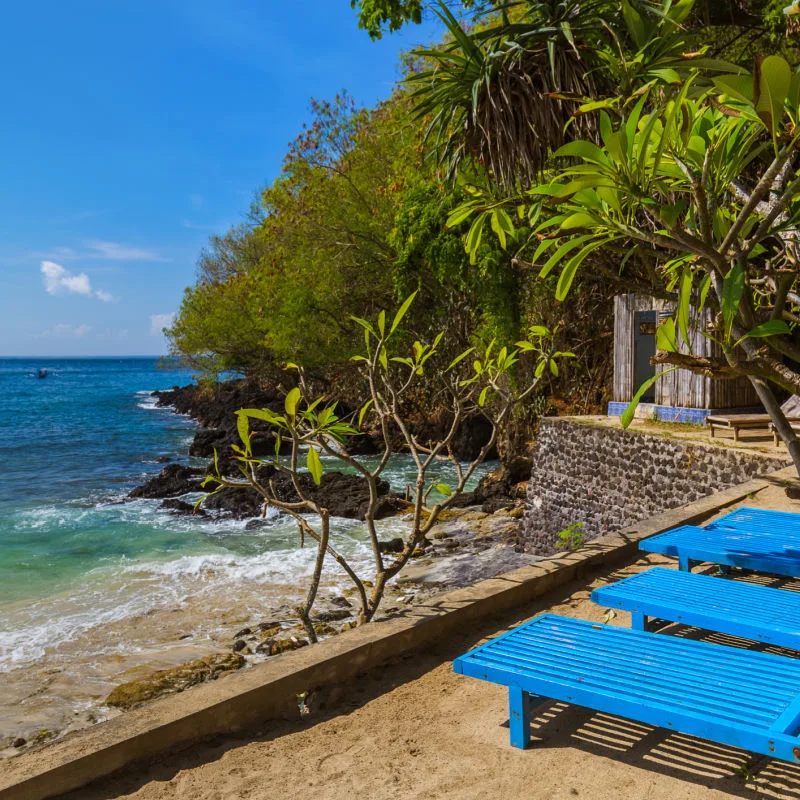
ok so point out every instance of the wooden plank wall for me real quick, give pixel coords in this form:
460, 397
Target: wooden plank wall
625, 305
680, 387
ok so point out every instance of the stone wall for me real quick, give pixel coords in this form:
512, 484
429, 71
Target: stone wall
608, 478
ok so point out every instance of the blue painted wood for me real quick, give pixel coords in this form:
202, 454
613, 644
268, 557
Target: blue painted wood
724, 694
771, 616
519, 716
750, 538
638, 621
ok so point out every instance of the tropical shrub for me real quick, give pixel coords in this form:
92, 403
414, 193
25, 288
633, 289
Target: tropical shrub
475, 381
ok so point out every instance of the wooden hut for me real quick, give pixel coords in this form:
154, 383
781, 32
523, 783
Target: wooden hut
680, 396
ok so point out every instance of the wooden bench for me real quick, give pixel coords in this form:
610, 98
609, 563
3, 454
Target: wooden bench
750, 538
770, 616
737, 422
732, 696
795, 424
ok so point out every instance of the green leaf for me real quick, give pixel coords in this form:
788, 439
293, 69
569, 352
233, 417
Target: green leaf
363, 413
498, 229
771, 82
314, 465
444, 489
585, 150
773, 327
401, 312
565, 248
684, 304
382, 322
482, 396
665, 336
473, 240
459, 358
704, 287
732, 289
243, 429
578, 220
737, 87
263, 414
367, 328
567, 275
292, 401
627, 415
634, 23
667, 74
554, 367
461, 214
502, 225
538, 330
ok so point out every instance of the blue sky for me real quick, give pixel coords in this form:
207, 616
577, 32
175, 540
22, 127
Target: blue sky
131, 131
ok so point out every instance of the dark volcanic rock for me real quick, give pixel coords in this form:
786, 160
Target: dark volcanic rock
239, 502
343, 495
215, 406
182, 507
206, 440
391, 505
334, 615
173, 481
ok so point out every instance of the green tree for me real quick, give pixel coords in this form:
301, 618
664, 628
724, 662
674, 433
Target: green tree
703, 193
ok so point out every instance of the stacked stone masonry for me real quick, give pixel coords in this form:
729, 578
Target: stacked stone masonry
609, 478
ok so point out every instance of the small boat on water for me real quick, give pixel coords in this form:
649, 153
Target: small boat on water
41, 373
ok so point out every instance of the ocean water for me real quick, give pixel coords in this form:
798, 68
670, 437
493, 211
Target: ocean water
74, 554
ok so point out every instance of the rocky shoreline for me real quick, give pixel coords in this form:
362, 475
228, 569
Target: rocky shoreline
487, 519
206, 637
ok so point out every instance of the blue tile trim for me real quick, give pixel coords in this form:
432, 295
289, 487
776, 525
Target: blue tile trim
695, 416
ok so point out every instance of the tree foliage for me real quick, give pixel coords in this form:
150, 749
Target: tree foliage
354, 220
690, 184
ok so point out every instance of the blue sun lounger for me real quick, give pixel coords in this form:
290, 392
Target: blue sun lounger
770, 616
750, 538
736, 697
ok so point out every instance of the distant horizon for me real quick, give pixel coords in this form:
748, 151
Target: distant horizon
107, 356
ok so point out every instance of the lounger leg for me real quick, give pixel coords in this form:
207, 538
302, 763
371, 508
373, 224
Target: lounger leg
684, 564
638, 621
519, 716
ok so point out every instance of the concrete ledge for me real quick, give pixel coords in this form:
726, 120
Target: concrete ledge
249, 698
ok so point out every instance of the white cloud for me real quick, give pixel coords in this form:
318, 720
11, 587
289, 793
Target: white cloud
66, 332
58, 280
159, 321
57, 253
115, 251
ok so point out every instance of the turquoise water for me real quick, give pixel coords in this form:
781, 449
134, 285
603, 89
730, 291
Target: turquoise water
73, 553
72, 445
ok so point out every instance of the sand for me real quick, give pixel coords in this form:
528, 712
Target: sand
414, 729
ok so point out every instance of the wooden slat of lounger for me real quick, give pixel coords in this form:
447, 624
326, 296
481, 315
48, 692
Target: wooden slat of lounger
730, 547
740, 421
771, 616
725, 694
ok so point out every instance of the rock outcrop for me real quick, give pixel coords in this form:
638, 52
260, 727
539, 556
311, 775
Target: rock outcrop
170, 681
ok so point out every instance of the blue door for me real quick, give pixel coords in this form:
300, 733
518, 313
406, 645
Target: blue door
644, 348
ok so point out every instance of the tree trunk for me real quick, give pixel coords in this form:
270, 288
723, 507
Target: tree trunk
784, 429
